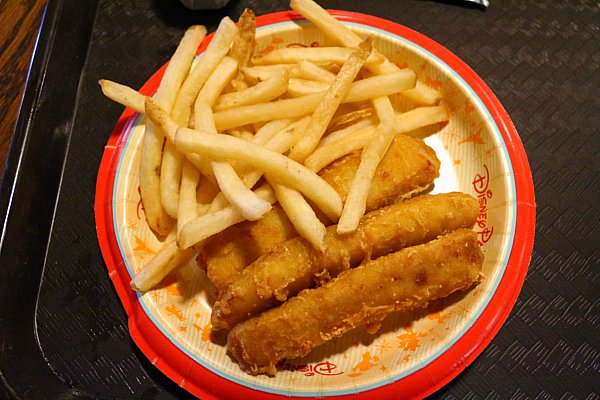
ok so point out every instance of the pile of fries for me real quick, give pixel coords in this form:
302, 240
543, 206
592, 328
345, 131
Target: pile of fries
230, 133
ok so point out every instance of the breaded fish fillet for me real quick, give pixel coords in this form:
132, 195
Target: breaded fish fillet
408, 168
295, 265
407, 279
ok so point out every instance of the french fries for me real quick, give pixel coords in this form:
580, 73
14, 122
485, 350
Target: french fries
331, 101
281, 167
218, 124
151, 157
361, 90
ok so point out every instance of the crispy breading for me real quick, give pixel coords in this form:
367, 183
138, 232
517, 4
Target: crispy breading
408, 168
404, 280
295, 265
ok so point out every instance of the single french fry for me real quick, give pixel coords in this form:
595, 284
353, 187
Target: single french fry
180, 65
258, 73
423, 94
325, 22
123, 95
247, 202
420, 117
330, 101
360, 90
243, 45
348, 129
300, 213
346, 120
281, 167
326, 154
152, 144
216, 50
298, 87
311, 71
188, 201
211, 223
264, 91
218, 80
381, 85
282, 109
165, 261
170, 178
319, 55
355, 205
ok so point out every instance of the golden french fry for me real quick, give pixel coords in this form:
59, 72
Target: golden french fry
123, 95
243, 45
266, 90
319, 55
423, 94
281, 167
326, 154
300, 213
345, 120
355, 205
170, 178
211, 223
330, 101
420, 117
165, 261
249, 114
258, 73
217, 81
179, 66
247, 202
216, 50
271, 128
326, 23
361, 90
302, 87
188, 201
311, 71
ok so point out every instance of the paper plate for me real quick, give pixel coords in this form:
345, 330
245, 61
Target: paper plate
414, 355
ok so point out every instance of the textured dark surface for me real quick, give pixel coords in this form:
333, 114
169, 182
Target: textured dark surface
542, 59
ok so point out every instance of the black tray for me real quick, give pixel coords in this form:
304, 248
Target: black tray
63, 332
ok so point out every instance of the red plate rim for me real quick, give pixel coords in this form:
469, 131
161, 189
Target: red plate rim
201, 382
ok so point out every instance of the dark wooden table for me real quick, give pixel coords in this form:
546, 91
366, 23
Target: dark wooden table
19, 25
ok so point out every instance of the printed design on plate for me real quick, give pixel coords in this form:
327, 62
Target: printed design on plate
481, 182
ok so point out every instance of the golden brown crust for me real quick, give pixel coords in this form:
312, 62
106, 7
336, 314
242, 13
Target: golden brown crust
403, 280
295, 265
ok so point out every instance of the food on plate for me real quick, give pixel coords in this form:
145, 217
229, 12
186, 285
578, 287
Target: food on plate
404, 280
291, 173
408, 168
296, 265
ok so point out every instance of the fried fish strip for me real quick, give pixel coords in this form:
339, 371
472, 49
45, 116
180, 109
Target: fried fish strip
410, 278
409, 167
296, 265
